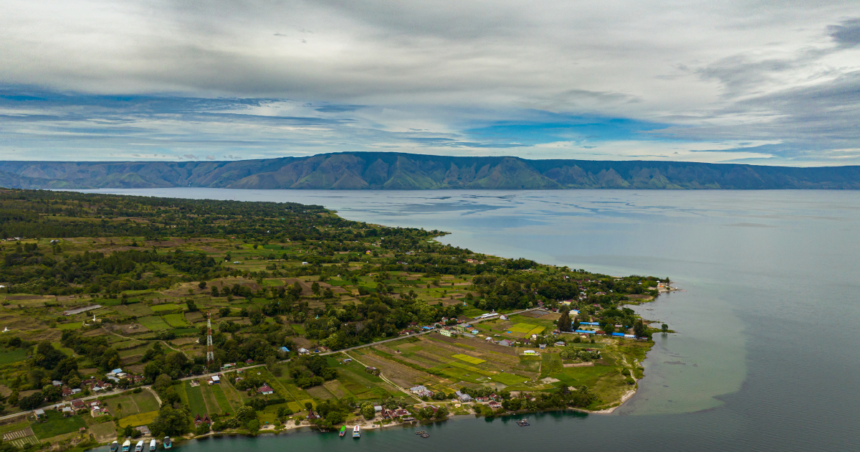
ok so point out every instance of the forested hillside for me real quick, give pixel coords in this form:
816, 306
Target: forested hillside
392, 171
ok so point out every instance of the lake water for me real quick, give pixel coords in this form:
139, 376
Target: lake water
766, 356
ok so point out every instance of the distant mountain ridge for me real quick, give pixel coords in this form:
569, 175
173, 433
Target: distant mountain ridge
395, 171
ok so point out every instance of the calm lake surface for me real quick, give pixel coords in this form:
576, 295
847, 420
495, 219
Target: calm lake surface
766, 356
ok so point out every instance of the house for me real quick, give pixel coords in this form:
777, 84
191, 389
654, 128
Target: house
445, 332
66, 391
560, 344
249, 361
463, 397
504, 317
97, 411
303, 351
67, 411
482, 399
312, 415
56, 383
421, 391
377, 408
542, 346
371, 370
505, 343
78, 404
530, 352
215, 380
495, 405
40, 413
265, 390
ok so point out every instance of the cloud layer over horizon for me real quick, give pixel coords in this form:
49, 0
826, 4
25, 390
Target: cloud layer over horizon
751, 82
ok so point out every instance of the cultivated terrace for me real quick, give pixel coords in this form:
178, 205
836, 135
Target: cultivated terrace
316, 321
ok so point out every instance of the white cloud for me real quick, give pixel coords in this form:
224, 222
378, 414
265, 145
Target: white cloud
725, 72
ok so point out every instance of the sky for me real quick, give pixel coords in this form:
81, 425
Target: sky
759, 82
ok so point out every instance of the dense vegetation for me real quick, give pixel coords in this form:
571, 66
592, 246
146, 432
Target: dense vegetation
275, 279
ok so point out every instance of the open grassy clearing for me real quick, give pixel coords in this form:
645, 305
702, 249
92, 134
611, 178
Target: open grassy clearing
154, 323
176, 320
55, 424
139, 419
195, 400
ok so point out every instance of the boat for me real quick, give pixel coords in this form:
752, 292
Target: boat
523, 423
139, 446
114, 446
167, 443
126, 446
152, 445
342, 430
356, 432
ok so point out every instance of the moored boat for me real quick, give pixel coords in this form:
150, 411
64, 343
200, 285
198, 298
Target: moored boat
167, 442
114, 446
152, 445
126, 446
342, 430
523, 423
356, 432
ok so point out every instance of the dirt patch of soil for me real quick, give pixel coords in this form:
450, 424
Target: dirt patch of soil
589, 364
401, 375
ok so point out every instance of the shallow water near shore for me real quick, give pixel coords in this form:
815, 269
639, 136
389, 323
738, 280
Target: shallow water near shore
764, 357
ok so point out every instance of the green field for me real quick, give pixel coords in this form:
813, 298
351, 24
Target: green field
166, 307
508, 379
176, 320
468, 359
56, 425
139, 419
195, 400
522, 328
221, 398
69, 326
13, 356
154, 323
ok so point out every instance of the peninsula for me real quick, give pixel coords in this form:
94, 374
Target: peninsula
133, 317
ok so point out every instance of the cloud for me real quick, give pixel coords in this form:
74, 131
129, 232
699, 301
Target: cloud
245, 79
846, 34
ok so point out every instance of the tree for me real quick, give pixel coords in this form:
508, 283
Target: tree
564, 321
665, 328
202, 429
246, 413
214, 291
31, 401
170, 422
162, 382
640, 329
202, 285
192, 307
609, 329
367, 411
315, 288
